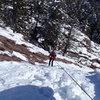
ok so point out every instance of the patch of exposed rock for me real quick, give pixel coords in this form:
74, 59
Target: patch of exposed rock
10, 46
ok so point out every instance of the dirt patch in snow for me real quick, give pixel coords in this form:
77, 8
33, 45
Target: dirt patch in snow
8, 58
10, 46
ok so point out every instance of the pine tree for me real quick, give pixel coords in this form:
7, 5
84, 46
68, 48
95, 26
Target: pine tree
48, 20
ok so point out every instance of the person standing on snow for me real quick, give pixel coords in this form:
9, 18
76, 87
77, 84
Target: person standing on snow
52, 56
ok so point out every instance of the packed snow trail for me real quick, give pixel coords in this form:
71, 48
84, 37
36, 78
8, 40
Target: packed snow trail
14, 74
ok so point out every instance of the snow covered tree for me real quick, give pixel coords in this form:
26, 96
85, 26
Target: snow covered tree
48, 19
41, 20
95, 22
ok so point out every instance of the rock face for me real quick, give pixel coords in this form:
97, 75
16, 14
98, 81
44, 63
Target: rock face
84, 51
81, 49
11, 46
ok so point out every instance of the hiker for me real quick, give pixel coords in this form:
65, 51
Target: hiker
52, 57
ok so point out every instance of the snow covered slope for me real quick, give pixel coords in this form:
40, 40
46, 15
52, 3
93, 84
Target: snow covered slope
25, 74
15, 74
87, 52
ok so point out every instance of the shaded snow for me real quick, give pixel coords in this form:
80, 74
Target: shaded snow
28, 92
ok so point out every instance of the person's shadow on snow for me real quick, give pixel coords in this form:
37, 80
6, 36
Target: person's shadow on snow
28, 92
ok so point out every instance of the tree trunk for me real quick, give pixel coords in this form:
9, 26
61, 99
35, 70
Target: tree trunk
68, 41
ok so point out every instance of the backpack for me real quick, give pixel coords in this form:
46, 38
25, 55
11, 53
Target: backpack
53, 54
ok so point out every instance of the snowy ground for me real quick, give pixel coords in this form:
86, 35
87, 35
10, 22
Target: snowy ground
24, 81
95, 79
14, 74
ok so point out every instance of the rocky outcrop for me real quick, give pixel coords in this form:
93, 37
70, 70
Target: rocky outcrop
10, 46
